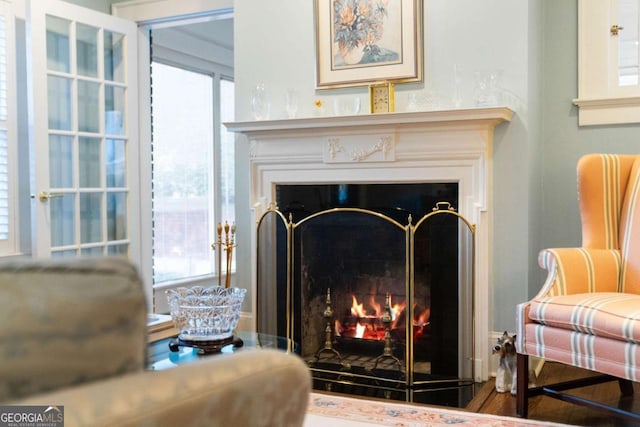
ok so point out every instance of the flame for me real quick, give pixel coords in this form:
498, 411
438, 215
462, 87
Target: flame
423, 318
370, 326
360, 330
357, 309
377, 307
397, 309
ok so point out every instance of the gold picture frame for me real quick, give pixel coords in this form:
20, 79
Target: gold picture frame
364, 41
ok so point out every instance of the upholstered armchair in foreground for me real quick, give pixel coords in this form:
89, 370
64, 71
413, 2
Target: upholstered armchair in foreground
587, 313
73, 333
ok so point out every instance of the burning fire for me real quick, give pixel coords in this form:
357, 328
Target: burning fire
367, 324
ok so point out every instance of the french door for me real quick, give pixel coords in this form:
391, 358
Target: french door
84, 115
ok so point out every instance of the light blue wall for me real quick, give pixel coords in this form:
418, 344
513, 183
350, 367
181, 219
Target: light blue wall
563, 141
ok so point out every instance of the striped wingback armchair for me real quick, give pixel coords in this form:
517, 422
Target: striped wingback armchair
587, 313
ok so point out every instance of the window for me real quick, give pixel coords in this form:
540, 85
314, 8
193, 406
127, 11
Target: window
193, 181
8, 148
628, 46
608, 62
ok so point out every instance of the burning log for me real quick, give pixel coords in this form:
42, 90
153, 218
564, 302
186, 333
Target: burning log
359, 323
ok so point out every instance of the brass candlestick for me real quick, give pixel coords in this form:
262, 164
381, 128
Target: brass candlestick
387, 353
328, 335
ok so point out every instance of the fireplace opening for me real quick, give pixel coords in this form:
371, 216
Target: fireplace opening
374, 283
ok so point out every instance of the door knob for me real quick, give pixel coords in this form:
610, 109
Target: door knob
43, 196
615, 29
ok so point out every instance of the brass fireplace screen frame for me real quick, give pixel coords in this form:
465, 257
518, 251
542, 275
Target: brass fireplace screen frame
409, 383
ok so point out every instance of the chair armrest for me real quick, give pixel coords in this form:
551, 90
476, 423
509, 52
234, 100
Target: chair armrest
579, 270
251, 387
571, 271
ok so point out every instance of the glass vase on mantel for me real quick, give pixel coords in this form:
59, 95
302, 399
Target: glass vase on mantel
260, 104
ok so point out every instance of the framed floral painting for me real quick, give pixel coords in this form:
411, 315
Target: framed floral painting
364, 41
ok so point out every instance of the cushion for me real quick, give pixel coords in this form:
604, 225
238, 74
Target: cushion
607, 314
68, 321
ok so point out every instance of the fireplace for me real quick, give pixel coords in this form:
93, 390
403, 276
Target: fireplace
375, 286
438, 148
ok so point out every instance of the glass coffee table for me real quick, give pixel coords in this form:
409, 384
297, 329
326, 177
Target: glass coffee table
160, 356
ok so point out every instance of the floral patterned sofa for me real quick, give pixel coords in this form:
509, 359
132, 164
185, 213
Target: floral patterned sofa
73, 333
587, 313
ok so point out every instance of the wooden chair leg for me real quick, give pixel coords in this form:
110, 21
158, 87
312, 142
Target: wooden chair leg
626, 387
522, 386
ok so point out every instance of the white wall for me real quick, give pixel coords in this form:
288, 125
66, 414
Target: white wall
277, 49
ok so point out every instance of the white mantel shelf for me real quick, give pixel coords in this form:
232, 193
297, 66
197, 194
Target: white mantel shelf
487, 116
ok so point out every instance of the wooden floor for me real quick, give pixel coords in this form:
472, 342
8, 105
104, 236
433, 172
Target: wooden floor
544, 408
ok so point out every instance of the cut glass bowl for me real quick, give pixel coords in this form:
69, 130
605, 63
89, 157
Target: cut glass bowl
205, 314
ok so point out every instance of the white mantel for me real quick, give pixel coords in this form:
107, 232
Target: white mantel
415, 147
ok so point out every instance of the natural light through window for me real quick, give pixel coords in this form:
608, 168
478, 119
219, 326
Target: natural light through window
628, 42
183, 152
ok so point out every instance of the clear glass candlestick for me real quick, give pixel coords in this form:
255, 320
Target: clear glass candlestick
291, 103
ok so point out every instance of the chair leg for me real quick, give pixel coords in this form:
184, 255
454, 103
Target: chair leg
626, 387
522, 387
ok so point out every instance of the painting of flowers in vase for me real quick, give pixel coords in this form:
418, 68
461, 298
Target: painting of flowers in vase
360, 41
359, 35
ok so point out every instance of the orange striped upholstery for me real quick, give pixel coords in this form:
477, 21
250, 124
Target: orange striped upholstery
604, 314
602, 180
630, 233
587, 313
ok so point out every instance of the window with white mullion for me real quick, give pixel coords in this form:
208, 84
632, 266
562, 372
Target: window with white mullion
627, 17
608, 62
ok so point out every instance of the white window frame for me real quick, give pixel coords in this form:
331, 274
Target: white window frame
600, 99
10, 246
217, 72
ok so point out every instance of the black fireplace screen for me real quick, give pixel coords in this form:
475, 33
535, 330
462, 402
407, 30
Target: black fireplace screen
379, 300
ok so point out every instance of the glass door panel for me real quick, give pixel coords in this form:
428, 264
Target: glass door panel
90, 217
83, 184
114, 57
59, 101
62, 220
90, 161
114, 107
88, 106
58, 41
115, 151
87, 50
60, 161
116, 216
